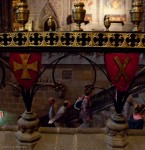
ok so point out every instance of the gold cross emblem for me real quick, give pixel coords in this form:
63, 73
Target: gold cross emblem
25, 66
121, 68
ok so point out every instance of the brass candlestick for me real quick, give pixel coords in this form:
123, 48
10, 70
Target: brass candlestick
78, 15
22, 14
137, 14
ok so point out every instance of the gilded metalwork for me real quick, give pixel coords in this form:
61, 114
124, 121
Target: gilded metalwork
121, 68
51, 24
67, 39
133, 40
25, 66
5, 39
107, 22
36, 38
20, 39
137, 14
143, 41
116, 39
52, 39
22, 14
78, 15
83, 39
73, 39
100, 39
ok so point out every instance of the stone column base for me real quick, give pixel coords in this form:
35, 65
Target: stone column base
117, 134
28, 134
29, 138
116, 142
25, 146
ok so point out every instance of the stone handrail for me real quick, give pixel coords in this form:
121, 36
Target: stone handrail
58, 130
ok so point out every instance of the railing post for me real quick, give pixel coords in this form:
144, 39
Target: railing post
27, 135
28, 124
117, 132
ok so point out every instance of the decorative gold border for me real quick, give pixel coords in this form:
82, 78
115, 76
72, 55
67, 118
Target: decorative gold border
73, 39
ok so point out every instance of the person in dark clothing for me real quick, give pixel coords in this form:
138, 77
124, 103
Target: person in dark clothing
136, 121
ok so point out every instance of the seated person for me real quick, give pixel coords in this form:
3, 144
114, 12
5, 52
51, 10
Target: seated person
136, 121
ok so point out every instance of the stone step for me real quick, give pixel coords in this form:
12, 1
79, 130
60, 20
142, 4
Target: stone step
142, 98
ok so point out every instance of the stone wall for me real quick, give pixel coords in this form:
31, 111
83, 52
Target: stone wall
40, 10
74, 77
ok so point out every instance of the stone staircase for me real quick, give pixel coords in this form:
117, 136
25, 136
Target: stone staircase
101, 110
141, 98
99, 119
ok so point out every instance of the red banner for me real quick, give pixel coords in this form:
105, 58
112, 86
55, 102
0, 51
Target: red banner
121, 68
25, 67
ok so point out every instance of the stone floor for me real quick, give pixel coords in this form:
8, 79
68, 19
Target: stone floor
70, 139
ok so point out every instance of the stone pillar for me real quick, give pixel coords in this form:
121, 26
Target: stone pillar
6, 15
117, 132
27, 135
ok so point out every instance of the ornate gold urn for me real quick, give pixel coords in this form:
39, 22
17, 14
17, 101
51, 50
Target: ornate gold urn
137, 14
51, 24
107, 22
78, 15
22, 14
